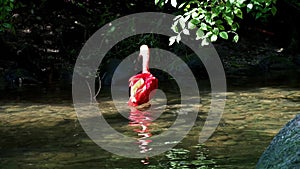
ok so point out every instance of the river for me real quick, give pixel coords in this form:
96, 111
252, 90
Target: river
39, 128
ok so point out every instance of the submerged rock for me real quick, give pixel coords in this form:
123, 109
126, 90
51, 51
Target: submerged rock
284, 150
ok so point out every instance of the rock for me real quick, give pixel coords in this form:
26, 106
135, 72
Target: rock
284, 150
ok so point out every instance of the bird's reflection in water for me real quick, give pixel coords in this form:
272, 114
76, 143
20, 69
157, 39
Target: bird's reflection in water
141, 120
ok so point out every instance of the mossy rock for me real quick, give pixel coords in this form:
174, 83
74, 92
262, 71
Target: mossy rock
284, 150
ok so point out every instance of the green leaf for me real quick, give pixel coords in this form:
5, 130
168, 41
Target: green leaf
187, 18
240, 3
234, 26
218, 22
204, 42
11, 5
223, 35
214, 15
201, 10
199, 34
178, 38
156, 2
268, 3
7, 25
273, 10
174, 27
181, 5
172, 40
238, 13
215, 31
265, 10
213, 38
174, 3
208, 18
186, 31
221, 27
7, 9
208, 34
161, 4
229, 20
195, 14
191, 25
203, 26
182, 23
249, 7
257, 3
258, 15
187, 7
177, 17
195, 21
201, 16
236, 38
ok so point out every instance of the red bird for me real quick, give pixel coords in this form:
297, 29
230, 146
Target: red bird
142, 84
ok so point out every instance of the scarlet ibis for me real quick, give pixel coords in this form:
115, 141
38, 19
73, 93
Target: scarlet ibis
142, 84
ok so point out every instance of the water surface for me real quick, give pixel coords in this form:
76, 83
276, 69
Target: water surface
39, 128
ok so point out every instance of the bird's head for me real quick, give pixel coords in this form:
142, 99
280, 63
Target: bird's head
144, 50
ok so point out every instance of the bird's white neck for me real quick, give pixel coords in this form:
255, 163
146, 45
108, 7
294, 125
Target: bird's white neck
144, 52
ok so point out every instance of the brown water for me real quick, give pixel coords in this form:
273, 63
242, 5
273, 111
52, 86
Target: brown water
39, 128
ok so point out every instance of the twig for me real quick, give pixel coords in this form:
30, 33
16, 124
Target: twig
99, 88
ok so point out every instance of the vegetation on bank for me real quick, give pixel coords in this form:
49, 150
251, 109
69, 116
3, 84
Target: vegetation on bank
45, 37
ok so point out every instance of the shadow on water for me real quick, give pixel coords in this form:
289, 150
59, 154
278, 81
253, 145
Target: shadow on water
39, 127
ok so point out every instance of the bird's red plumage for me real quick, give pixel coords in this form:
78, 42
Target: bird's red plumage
141, 85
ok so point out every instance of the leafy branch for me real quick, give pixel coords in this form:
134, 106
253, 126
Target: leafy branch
215, 19
6, 8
